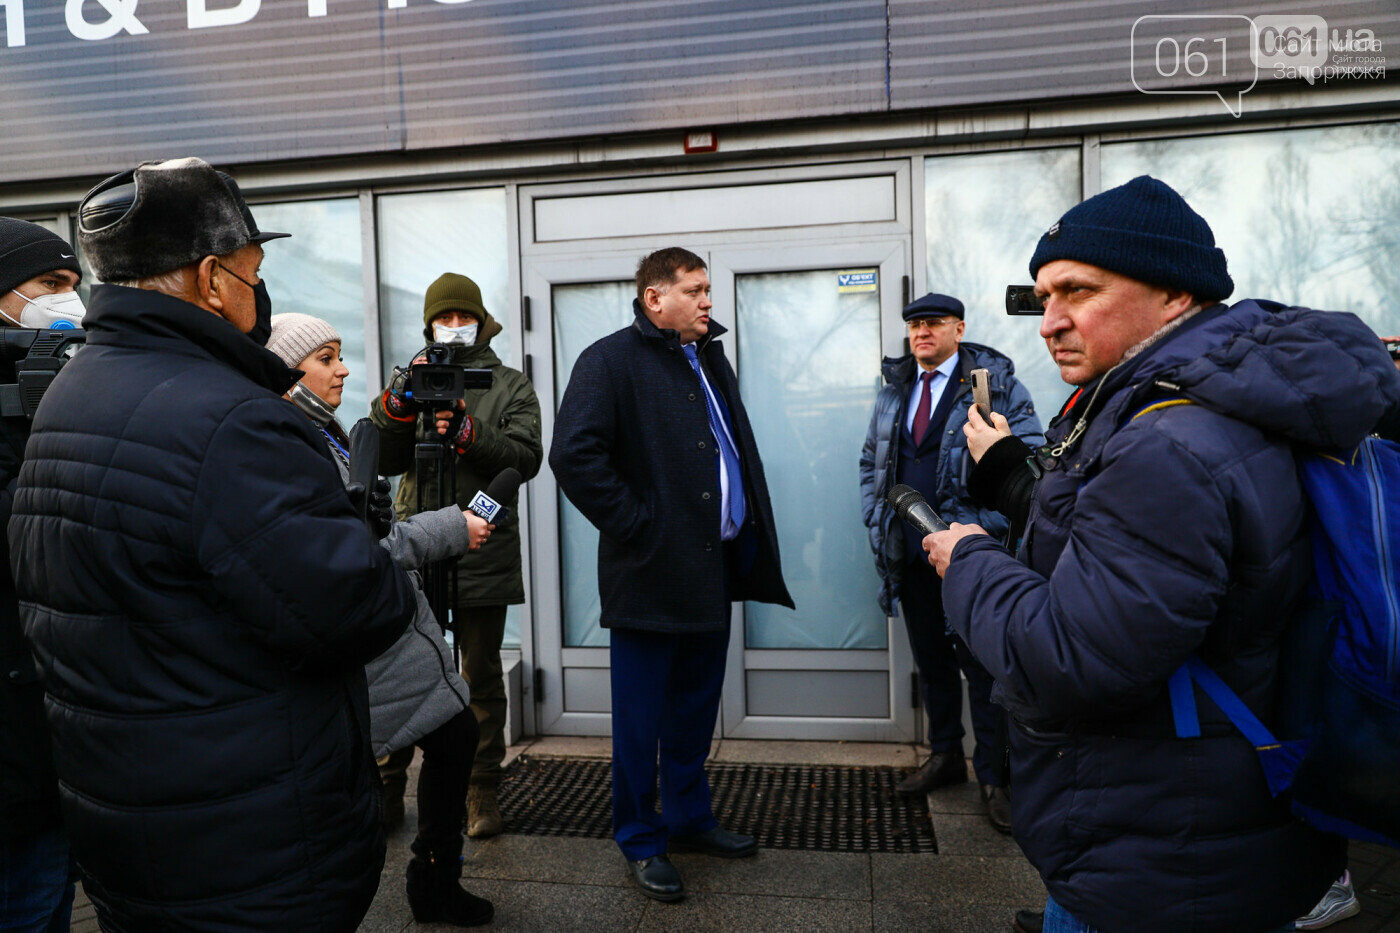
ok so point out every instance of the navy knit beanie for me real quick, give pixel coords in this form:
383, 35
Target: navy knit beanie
1146, 231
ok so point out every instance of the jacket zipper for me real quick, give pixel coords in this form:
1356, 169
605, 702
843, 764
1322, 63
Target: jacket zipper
1378, 528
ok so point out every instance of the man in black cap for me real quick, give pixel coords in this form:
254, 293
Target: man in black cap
200, 594
916, 438
38, 275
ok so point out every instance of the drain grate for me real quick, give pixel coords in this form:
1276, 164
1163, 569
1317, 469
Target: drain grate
823, 807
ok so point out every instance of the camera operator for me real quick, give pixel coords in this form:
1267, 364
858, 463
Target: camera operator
38, 275
493, 429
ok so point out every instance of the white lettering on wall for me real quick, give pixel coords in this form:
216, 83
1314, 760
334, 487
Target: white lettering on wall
14, 22
121, 15
201, 16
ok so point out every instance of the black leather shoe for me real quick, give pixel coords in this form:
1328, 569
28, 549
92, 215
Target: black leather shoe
657, 878
940, 770
998, 803
1028, 921
718, 841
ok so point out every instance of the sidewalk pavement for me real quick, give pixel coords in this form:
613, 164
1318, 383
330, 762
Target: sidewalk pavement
975, 883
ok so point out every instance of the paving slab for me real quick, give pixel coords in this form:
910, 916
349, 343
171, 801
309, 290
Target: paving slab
746, 912
528, 905
855, 754
780, 872
549, 859
572, 746
955, 880
971, 835
898, 916
958, 798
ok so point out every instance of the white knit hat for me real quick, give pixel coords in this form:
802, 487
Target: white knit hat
295, 336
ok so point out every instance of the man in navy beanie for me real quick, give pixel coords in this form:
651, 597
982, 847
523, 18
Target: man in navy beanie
38, 277
1167, 522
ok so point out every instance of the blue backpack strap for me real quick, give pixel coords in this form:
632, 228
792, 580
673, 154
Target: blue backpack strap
1230, 704
1183, 697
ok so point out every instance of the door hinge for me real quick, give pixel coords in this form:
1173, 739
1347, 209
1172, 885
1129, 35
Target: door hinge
913, 689
525, 313
529, 367
539, 684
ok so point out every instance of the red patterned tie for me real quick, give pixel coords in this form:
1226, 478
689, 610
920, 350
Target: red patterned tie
921, 417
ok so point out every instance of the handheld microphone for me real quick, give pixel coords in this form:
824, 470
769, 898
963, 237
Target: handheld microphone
364, 464
488, 502
914, 509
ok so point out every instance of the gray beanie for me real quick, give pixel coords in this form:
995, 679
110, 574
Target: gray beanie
295, 336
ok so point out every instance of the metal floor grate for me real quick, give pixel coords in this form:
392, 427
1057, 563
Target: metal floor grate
823, 807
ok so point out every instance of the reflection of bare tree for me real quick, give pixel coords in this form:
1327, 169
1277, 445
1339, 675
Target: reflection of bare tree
1285, 250
984, 214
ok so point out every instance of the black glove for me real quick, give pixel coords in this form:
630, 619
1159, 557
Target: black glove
380, 514
397, 404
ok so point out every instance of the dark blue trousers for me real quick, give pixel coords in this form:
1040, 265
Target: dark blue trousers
938, 654
665, 697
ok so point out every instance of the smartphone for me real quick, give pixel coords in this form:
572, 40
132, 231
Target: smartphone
982, 393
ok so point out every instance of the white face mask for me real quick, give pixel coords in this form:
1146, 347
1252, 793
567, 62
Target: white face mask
465, 334
62, 311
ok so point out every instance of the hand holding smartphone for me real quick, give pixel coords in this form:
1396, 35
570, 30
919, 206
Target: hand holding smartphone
982, 393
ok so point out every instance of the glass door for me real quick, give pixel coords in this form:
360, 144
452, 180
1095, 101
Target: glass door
573, 303
809, 329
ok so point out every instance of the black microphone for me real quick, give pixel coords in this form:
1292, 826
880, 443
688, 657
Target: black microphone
911, 506
488, 502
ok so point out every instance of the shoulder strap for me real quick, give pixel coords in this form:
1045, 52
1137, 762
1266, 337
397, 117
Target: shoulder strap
1183, 700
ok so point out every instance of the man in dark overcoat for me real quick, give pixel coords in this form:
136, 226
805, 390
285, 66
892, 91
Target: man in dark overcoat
653, 446
200, 594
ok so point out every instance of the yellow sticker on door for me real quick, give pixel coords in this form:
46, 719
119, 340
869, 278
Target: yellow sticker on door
857, 280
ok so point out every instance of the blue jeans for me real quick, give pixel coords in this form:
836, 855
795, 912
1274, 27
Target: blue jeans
1059, 920
36, 883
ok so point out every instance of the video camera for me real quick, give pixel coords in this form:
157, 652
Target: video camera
37, 356
1022, 300
439, 380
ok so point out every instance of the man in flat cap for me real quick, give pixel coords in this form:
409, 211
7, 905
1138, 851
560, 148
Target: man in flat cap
38, 275
916, 438
201, 626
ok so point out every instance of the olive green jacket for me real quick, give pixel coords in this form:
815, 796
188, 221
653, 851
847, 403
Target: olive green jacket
508, 435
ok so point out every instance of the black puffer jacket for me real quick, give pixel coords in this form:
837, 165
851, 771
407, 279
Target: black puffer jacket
28, 786
634, 452
202, 601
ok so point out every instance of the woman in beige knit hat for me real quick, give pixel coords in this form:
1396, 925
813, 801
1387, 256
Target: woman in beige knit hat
416, 696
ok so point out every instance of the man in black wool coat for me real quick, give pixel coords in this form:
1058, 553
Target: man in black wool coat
653, 446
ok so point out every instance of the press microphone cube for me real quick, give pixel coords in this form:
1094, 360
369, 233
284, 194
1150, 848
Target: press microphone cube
485, 506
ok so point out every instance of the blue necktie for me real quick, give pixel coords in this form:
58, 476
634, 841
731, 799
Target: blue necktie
732, 467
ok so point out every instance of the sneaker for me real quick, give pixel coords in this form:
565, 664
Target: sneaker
1337, 904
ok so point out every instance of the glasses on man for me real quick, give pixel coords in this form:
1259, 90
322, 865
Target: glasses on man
931, 323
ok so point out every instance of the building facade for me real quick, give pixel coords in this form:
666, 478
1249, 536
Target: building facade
828, 159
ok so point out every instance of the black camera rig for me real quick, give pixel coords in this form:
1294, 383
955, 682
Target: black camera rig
438, 379
37, 356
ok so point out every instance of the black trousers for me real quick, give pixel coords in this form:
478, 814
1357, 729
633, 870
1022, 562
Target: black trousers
448, 752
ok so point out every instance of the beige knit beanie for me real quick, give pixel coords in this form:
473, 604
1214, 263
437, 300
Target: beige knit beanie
295, 336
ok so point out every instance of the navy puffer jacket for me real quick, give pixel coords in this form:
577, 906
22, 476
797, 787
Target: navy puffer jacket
879, 456
202, 600
1166, 531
